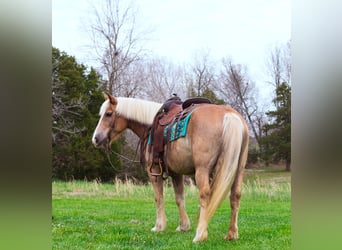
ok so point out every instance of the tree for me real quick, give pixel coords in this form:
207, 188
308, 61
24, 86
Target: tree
239, 91
277, 140
209, 94
75, 103
201, 76
163, 78
116, 40
279, 64
67, 103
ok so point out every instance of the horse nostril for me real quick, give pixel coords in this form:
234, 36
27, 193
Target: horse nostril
98, 139
95, 140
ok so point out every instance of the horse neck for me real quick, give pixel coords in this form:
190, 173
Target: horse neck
137, 128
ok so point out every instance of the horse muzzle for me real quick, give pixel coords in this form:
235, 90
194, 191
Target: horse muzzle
99, 140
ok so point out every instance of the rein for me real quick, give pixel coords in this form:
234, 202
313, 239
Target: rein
110, 150
123, 157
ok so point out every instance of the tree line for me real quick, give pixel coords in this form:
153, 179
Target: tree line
77, 93
130, 71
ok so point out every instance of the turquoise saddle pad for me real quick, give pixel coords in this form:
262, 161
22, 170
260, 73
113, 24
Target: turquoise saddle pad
177, 129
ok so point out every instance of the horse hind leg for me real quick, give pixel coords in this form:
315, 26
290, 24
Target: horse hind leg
235, 195
235, 192
178, 186
202, 181
157, 183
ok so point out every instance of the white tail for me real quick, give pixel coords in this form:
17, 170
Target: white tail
233, 157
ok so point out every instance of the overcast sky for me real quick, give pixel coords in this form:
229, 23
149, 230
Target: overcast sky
245, 30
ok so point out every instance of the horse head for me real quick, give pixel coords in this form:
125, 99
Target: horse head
109, 126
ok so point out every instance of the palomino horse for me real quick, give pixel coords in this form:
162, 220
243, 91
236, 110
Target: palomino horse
216, 142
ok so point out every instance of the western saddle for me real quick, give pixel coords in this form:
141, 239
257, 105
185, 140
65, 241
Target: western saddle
173, 110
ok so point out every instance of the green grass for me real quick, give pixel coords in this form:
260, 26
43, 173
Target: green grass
92, 215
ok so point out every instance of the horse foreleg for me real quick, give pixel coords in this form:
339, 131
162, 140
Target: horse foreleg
178, 186
157, 183
235, 195
202, 180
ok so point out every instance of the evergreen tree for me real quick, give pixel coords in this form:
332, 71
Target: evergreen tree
76, 99
207, 93
276, 144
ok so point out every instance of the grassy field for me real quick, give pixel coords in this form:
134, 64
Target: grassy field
92, 215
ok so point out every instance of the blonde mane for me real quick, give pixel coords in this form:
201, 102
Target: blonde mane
138, 110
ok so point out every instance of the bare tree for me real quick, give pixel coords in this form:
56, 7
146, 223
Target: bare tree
117, 43
202, 74
279, 64
239, 91
134, 79
287, 59
163, 78
275, 66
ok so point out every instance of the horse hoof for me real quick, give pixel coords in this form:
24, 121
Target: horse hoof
183, 228
156, 229
200, 237
231, 235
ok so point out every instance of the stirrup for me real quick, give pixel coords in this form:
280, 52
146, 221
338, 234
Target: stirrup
160, 169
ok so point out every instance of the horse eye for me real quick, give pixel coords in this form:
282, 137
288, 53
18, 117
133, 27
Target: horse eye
109, 114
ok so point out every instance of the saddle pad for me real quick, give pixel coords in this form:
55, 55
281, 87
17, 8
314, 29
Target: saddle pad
178, 129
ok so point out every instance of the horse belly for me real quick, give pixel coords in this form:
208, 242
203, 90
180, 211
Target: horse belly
179, 157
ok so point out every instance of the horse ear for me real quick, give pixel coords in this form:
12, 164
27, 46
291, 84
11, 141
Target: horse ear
111, 98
